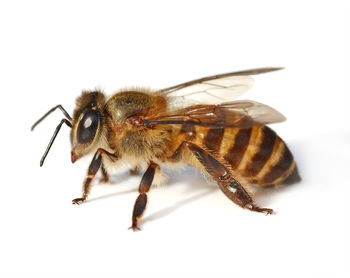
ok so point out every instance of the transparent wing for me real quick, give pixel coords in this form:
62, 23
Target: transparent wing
215, 89
242, 114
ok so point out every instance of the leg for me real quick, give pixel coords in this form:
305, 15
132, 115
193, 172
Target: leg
93, 168
134, 171
141, 200
231, 187
105, 176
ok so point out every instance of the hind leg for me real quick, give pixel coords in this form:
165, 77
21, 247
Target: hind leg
227, 183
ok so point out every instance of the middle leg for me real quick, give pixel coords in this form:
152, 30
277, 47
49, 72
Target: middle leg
141, 201
134, 171
105, 176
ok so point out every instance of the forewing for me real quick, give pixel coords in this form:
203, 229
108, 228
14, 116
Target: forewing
237, 114
215, 89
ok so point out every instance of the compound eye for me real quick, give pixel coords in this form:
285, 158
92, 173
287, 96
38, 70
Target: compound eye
87, 127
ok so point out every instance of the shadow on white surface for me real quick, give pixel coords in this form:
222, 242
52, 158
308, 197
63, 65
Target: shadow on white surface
168, 210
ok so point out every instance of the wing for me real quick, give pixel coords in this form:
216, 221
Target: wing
236, 114
215, 89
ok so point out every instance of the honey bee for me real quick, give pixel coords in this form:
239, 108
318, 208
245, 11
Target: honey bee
196, 123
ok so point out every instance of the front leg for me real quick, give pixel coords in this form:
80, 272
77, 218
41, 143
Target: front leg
141, 201
93, 168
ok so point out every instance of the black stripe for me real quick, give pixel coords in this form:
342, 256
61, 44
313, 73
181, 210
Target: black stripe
293, 177
236, 152
213, 139
281, 167
263, 154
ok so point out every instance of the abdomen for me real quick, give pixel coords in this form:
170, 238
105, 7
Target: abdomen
258, 154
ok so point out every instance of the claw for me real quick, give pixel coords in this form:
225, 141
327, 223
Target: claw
134, 171
105, 180
135, 228
257, 209
78, 201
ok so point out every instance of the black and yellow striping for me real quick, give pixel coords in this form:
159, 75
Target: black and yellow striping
256, 153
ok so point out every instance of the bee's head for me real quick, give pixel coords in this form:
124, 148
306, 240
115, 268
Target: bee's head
86, 123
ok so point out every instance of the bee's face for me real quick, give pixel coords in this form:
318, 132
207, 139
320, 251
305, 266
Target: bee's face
86, 126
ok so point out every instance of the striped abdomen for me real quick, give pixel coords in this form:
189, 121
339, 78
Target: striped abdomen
258, 153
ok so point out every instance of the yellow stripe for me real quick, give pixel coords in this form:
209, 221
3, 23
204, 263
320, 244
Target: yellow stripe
228, 140
253, 147
286, 174
276, 155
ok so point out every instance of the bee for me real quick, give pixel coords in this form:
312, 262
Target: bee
196, 123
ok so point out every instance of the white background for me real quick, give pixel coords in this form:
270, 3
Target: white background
50, 51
